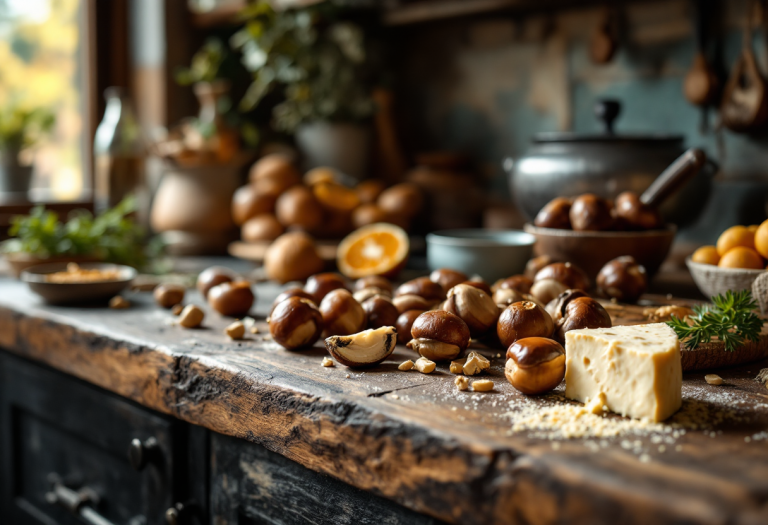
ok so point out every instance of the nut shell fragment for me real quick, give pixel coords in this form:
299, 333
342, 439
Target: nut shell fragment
424, 365
365, 348
482, 385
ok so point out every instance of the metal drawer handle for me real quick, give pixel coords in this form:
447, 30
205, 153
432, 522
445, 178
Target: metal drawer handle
141, 453
77, 502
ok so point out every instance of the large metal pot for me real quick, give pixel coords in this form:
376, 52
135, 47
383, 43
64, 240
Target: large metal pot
569, 164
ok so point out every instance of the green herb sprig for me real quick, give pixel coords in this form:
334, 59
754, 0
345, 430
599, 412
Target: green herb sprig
730, 318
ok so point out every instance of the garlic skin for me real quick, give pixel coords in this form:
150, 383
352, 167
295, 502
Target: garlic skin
365, 348
474, 306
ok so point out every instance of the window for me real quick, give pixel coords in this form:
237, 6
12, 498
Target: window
42, 66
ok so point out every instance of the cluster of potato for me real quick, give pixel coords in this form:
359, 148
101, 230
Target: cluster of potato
590, 212
277, 198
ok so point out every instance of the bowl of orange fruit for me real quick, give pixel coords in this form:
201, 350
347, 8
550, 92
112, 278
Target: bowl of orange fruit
740, 256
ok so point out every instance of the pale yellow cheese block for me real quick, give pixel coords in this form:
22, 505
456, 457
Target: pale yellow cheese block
636, 368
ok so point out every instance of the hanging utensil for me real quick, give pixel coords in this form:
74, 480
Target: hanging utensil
745, 107
603, 43
701, 85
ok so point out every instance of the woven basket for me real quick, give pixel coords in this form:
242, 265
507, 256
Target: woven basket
713, 280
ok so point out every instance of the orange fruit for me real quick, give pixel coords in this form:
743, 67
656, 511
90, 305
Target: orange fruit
741, 257
336, 197
706, 255
735, 236
376, 249
318, 175
761, 239
753, 227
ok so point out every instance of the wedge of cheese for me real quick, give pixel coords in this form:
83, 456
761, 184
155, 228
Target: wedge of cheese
636, 370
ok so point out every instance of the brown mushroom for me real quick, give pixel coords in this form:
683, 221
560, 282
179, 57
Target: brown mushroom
295, 323
535, 365
555, 214
622, 279
582, 312
521, 320
342, 315
439, 335
591, 213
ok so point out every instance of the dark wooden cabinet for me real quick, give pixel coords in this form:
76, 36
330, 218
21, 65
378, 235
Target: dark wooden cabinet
73, 453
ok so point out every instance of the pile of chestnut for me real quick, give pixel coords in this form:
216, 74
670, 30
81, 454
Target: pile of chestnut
590, 212
437, 316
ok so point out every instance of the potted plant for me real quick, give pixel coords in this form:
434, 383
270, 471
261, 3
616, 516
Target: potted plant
317, 56
20, 129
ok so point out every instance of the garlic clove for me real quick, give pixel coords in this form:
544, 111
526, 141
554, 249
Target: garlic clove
365, 348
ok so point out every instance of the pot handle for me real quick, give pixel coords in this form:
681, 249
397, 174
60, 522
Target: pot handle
685, 167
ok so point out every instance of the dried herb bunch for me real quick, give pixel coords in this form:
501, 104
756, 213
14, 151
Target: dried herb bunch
730, 318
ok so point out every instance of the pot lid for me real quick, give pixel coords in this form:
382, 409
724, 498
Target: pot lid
606, 111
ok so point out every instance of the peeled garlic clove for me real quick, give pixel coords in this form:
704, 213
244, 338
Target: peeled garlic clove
365, 348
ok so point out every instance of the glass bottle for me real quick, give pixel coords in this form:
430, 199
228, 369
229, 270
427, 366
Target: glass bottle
120, 153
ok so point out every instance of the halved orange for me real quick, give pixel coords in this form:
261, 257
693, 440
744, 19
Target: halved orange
336, 197
376, 249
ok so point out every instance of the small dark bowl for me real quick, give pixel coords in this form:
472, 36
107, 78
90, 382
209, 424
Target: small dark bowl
72, 293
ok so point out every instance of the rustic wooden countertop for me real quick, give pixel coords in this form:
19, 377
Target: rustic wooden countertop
412, 437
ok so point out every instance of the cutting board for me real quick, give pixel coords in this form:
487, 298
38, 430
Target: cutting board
704, 357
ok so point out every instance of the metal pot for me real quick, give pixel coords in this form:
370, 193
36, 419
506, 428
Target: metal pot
570, 164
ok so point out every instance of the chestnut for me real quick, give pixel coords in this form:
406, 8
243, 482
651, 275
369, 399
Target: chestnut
535, 365
533, 266
363, 295
214, 276
507, 296
168, 295
475, 307
556, 307
261, 228
412, 302
547, 289
439, 335
622, 279
422, 286
292, 257
374, 281
380, 312
555, 214
582, 312
566, 273
342, 315
320, 284
482, 285
248, 202
591, 213
636, 214
520, 283
233, 299
447, 278
404, 323
295, 323
298, 207
287, 294
521, 320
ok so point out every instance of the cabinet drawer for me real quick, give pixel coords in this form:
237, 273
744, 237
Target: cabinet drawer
60, 432
252, 486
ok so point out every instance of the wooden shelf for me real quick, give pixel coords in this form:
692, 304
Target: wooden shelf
226, 15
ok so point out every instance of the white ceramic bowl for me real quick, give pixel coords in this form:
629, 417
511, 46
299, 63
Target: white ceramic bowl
713, 280
491, 254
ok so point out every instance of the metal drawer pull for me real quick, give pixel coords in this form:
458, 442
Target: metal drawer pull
77, 502
141, 453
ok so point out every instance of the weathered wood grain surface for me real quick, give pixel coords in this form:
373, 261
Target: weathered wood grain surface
406, 436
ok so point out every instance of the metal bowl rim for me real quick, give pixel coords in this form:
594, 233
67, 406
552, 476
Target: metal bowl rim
478, 237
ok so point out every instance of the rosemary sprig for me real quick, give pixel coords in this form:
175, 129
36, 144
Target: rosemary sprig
730, 318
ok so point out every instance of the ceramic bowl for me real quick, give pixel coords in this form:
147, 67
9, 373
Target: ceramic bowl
713, 280
71, 293
591, 250
491, 254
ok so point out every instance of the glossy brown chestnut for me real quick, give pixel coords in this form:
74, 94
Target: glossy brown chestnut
473, 306
569, 274
547, 289
366, 293
342, 314
320, 284
622, 279
422, 287
233, 299
521, 320
374, 281
439, 335
295, 323
535, 365
404, 324
533, 266
287, 294
168, 295
507, 296
447, 278
412, 302
214, 276
556, 307
591, 213
582, 312
482, 285
520, 283
380, 312
555, 214
636, 214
